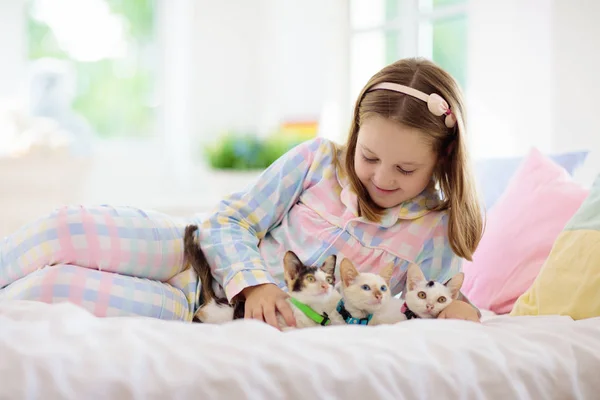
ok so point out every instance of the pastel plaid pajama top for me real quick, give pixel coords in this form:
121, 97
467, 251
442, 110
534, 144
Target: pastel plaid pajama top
301, 203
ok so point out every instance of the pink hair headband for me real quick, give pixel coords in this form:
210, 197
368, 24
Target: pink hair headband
435, 103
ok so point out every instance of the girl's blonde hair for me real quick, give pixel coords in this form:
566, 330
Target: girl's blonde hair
453, 171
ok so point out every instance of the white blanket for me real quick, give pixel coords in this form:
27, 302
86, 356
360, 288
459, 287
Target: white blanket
61, 351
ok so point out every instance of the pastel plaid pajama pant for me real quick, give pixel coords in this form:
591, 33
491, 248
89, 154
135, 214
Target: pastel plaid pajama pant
111, 261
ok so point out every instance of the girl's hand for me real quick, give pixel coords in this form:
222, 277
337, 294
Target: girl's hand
263, 301
460, 310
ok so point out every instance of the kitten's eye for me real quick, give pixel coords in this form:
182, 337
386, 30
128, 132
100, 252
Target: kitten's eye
329, 280
310, 278
383, 288
442, 299
422, 295
365, 287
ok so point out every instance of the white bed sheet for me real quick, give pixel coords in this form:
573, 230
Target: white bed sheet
61, 351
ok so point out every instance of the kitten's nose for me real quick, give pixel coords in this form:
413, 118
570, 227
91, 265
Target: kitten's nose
378, 295
429, 307
324, 285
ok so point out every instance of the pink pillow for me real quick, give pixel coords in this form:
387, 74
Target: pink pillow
520, 231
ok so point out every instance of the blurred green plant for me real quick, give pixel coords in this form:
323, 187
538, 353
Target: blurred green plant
114, 95
248, 152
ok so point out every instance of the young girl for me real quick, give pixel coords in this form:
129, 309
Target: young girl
400, 191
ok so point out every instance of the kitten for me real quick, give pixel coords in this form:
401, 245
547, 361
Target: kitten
423, 298
216, 308
363, 294
310, 288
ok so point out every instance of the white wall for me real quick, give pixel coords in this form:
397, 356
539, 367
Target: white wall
576, 64
534, 75
13, 45
510, 76
308, 62
175, 21
532, 70
261, 62
226, 41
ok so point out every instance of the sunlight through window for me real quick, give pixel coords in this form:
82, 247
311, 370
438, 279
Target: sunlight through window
108, 48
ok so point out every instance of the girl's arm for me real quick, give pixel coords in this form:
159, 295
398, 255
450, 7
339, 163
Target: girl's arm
230, 236
436, 259
464, 298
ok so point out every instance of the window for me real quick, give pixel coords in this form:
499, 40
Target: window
383, 31
94, 60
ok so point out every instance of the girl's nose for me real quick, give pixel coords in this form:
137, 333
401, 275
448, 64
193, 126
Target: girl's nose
383, 179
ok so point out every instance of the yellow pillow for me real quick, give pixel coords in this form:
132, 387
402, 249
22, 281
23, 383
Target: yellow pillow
569, 281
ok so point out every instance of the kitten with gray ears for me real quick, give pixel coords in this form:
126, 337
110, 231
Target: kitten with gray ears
423, 298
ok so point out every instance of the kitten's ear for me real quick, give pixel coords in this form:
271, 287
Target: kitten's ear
413, 277
348, 272
455, 284
386, 273
291, 265
329, 265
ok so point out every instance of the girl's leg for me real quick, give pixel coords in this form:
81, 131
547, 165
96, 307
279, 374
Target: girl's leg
107, 294
123, 240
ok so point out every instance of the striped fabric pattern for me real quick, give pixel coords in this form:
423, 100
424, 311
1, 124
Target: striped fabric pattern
113, 261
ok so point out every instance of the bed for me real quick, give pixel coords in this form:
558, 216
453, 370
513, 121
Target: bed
61, 351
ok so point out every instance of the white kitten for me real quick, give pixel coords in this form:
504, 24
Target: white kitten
363, 294
423, 299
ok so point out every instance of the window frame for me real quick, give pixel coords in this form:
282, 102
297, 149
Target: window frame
413, 24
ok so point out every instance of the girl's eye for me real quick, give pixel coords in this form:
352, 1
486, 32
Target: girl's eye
422, 295
383, 288
405, 172
442, 299
365, 287
310, 278
370, 160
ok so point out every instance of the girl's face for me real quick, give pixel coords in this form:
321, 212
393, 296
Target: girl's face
394, 162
